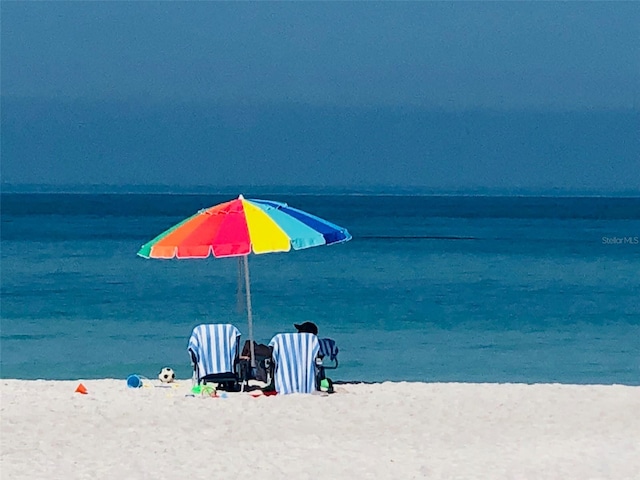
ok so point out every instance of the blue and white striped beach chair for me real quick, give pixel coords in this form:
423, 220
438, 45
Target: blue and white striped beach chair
328, 353
214, 353
328, 361
294, 358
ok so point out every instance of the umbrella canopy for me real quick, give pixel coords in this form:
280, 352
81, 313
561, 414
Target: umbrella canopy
239, 227
242, 226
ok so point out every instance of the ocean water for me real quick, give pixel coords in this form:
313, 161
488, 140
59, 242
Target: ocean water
431, 288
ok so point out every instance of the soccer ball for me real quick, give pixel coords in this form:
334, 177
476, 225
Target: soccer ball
166, 375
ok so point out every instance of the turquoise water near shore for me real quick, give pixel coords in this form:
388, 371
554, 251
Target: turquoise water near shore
431, 288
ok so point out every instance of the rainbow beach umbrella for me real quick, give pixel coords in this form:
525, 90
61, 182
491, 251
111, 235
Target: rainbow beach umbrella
239, 227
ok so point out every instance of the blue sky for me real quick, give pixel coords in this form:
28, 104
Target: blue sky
75, 73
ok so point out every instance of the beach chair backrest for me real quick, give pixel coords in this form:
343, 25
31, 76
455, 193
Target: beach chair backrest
294, 356
328, 348
214, 348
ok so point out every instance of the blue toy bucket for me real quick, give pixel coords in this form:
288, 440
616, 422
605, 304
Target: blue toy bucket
134, 381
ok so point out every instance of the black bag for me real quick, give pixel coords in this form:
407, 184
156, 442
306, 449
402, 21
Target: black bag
261, 350
262, 371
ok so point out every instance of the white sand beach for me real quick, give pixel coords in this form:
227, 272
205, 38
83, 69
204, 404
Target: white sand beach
388, 430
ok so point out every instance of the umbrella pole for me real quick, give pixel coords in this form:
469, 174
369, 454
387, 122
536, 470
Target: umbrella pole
247, 288
239, 287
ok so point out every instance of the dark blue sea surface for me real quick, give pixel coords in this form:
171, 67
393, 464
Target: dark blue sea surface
431, 288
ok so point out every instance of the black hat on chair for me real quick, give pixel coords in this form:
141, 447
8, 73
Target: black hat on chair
306, 327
